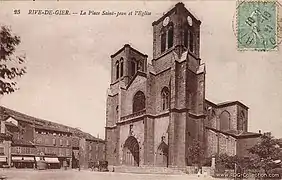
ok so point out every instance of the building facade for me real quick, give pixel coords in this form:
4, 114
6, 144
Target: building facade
155, 111
26, 140
92, 150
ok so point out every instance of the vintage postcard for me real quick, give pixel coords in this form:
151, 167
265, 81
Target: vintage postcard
140, 90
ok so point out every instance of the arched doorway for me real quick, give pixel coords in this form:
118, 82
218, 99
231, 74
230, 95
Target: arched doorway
131, 152
162, 155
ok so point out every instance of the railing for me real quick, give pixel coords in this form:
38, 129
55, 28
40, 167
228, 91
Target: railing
131, 116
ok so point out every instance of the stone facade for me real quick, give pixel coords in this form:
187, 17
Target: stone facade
90, 152
30, 139
155, 111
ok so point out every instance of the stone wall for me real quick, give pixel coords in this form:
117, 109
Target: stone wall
139, 84
244, 120
111, 145
220, 143
161, 80
138, 133
245, 144
232, 110
212, 143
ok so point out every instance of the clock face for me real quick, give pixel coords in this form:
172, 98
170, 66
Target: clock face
166, 21
190, 21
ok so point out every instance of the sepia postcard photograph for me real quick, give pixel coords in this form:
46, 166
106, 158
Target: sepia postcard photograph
147, 90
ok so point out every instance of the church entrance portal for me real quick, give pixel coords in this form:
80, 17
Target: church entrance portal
162, 155
131, 152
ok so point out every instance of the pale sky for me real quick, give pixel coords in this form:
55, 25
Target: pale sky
68, 60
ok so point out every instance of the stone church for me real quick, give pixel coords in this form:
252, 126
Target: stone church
155, 111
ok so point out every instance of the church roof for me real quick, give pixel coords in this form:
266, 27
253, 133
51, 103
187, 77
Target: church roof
183, 56
227, 103
201, 69
180, 4
127, 45
236, 134
151, 69
230, 103
139, 73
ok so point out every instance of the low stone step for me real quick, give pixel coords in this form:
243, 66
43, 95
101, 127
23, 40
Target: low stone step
147, 170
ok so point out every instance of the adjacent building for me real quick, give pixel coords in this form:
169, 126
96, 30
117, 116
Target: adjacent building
226, 129
26, 140
88, 149
155, 111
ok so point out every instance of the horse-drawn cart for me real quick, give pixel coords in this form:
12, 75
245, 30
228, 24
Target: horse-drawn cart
101, 166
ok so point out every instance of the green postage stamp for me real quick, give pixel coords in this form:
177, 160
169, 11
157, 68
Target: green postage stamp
257, 25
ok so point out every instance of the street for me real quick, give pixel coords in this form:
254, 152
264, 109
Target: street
15, 174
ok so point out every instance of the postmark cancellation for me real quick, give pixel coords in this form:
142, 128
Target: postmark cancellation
258, 25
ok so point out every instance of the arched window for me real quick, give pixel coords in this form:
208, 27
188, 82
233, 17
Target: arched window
133, 66
186, 37
121, 67
163, 41
140, 65
170, 36
165, 98
117, 70
241, 121
138, 101
224, 120
191, 41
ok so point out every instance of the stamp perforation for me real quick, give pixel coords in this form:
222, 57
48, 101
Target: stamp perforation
239, 45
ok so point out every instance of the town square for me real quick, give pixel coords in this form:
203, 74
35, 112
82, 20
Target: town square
168, 90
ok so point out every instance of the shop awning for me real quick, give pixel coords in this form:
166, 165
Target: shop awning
22, 159
17, 158
51, 160
31, 159
3, 159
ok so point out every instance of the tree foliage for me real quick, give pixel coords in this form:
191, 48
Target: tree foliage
195, 152
266, 153
11, 65
224, 161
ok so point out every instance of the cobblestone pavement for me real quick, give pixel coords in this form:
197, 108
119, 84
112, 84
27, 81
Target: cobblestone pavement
15, 174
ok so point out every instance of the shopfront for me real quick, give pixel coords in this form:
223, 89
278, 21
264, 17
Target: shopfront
65, 162
23, 162
53, 162
3, 161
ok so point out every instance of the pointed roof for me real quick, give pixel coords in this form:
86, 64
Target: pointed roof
139, 73
201, 69
178, 5
131, 48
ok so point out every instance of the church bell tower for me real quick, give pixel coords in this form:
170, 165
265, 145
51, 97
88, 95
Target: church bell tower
176, 30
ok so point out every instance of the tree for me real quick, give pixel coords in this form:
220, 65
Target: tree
195, 152
11, 65
266, 153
